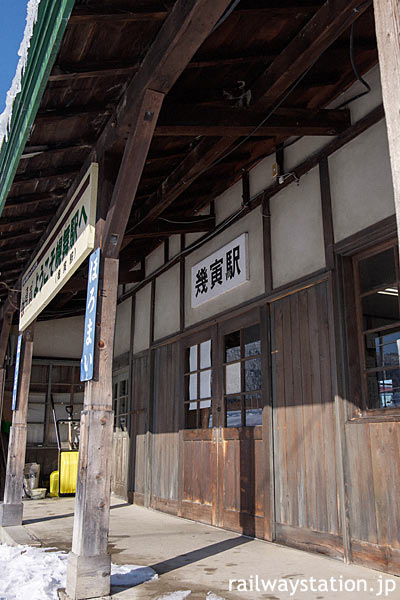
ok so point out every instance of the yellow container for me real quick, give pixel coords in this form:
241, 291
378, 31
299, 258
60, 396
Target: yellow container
68, 472
54, 484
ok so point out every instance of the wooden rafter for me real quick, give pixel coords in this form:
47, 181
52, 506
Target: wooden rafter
233, 122
186, 27
48, 149
327, 24
45, 175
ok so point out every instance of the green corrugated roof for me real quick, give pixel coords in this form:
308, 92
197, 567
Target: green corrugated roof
45, 42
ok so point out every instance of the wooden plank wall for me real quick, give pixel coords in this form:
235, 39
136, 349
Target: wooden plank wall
165, 439
306, 483
373, 488
139, 425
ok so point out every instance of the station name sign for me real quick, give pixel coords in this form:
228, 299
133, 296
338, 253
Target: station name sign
69, 243
222, 271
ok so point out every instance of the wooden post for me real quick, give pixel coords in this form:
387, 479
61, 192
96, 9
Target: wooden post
387, 25
11, 508
4, 335
88, 572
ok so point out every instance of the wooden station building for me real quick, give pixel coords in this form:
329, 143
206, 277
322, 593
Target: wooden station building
247, 337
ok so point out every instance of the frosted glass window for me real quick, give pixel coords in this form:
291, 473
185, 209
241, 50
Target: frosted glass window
205, 384
205, 355
193, 387
193, 358
232, 381
193, 406
205, 403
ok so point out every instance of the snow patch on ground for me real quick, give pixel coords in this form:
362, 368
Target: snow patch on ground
37, 573
130, 575
5, 117
211, 596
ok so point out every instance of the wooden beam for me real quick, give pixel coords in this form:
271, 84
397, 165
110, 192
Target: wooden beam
56, 114
187, 26
44, 174
89, 15
14, 223
387, 25
89, 556
66, 72
130, 172
11, 510
275, 11
32, 151
314, 38
34, 199
7, 319
173, 227
234, 122
15, 240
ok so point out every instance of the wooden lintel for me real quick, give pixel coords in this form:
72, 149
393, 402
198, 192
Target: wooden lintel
233, 122
174, 226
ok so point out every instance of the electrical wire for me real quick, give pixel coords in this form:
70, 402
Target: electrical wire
198, 219
254, 131
356, 73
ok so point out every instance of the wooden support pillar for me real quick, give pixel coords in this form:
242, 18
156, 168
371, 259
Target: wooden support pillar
387, 25
4, 335
89, 564
11, 508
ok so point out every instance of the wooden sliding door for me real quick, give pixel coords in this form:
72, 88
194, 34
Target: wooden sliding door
306, 480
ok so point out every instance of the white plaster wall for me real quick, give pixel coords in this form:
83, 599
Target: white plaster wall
122, 337
261, 175
252, 224
154, 260
174, 245
228, 202
191, 238
361, 182
167, 303
300, 150
297, 242
141, 338
60, 338
361, 107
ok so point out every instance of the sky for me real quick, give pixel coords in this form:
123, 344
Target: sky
12, 25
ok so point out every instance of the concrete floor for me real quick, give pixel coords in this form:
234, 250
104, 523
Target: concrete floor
191, 556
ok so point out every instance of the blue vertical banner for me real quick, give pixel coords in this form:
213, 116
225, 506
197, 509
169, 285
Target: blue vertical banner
16, 373
90, 317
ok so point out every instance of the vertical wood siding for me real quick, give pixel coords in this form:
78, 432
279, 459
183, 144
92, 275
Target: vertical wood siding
166, 423
306, 488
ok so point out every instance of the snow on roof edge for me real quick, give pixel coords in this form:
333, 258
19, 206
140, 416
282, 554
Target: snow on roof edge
16, 86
